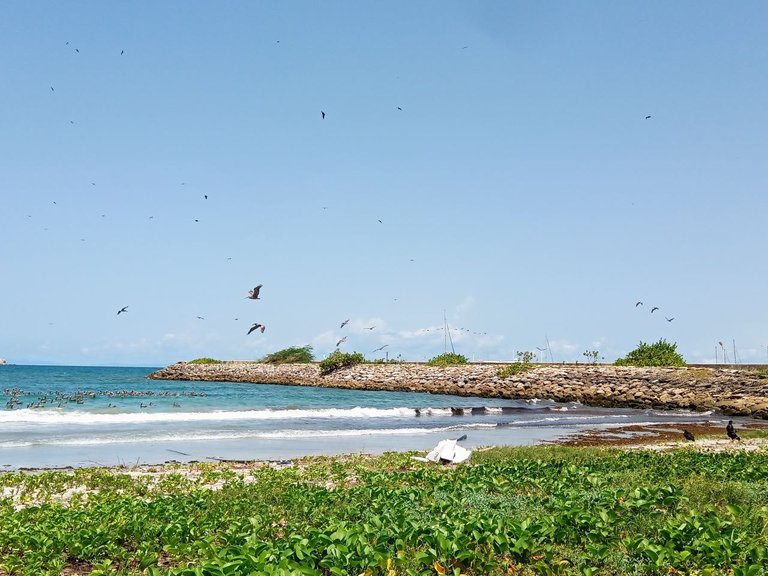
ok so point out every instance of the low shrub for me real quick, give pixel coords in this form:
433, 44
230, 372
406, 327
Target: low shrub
514, 369
661, 353
292, 355
205, 361
338, 359
448, 359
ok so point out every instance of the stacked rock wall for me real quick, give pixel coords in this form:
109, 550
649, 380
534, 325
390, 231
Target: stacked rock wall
730, 391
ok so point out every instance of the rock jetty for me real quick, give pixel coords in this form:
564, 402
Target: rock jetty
738, 392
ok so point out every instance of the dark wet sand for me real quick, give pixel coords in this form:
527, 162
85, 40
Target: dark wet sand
636, 435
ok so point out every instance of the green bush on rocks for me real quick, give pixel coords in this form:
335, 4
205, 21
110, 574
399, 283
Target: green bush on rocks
514, 369
338, 359
661, 353
205, 361
447, 359
292, 355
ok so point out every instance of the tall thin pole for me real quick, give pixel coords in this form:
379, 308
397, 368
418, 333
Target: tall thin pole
735, 361
448, 331
445, 334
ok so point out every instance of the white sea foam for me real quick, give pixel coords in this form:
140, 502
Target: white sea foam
221, 435
79, 417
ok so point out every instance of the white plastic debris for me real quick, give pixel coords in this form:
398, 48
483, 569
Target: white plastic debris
446, 451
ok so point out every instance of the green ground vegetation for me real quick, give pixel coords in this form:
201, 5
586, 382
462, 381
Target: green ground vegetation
338, 359
292, 355
661, 353
540, 510
514, 369
448, 359
205, 361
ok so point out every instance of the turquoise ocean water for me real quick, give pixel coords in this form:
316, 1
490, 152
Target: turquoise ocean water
56, 416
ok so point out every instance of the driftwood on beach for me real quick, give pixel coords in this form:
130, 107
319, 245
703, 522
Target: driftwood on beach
742, 392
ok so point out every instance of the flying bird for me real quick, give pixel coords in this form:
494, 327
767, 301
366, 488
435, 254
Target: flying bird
254, 294
323, 114
121, 52
669, 319
731, 431
399, 108
340, 342
688, 436
368, 327
344, 323
257, 326
123, 309
205, 196
638, 303
379, 348
654, 309
200, 318
647, 117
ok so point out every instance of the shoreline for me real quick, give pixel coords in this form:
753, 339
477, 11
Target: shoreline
730, 391
656, 437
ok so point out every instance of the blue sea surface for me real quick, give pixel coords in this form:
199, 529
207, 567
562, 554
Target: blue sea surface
57, 416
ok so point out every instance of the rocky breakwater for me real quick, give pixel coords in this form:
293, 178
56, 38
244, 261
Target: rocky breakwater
733, 392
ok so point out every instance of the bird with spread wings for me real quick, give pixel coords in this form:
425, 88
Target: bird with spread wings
254, 294
257, 326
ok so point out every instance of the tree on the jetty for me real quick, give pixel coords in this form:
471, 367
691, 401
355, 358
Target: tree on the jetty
292, 355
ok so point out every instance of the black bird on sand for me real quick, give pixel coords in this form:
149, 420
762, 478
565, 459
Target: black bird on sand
257, 326
731, 431
688, 436
654, 309
254, 294
123, 309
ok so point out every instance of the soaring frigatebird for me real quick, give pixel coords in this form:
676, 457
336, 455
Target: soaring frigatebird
254, 294
256, 326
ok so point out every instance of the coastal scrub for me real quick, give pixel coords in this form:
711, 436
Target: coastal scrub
292, 355
448, 359
338, 359
532, 510
661, 353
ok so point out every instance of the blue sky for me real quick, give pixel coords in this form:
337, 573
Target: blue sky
490, 161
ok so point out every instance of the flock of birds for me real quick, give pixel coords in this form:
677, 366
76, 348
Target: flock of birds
61, 399
256, 291
730, 431
640, 303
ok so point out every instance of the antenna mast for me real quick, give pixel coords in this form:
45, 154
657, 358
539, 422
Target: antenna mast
447, 336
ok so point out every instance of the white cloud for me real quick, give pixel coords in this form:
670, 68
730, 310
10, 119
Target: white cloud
464, 306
